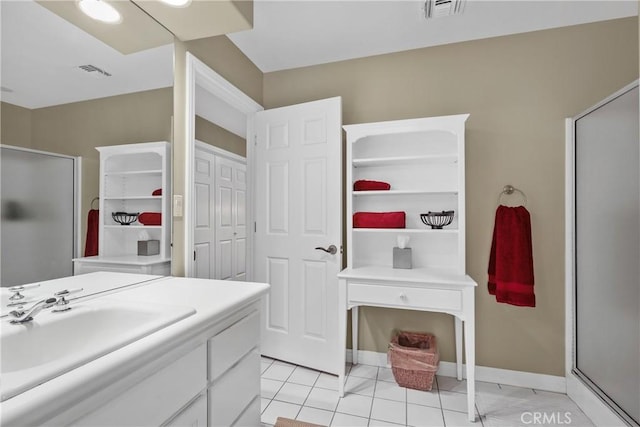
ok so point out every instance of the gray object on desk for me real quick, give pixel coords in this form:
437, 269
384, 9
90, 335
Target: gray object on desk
401, 257
148, 247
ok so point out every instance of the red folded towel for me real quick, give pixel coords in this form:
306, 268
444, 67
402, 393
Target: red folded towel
379, 220
91, 244
150, 218
366, 185
157, 192
511, 258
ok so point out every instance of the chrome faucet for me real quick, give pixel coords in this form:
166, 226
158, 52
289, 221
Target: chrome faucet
28, 315
59, 299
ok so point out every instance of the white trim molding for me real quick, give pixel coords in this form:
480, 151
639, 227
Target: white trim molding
220, 152
545, 382
593, 407
202, 75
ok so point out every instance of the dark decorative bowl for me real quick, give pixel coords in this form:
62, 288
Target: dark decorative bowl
124, 218
437, 220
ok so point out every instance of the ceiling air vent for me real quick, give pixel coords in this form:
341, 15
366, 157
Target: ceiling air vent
438, 8
95, 71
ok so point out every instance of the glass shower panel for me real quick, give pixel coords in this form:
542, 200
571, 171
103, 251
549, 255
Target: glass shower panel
608, 252
37, 212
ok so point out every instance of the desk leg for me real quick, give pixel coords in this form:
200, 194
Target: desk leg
342, 335
354, 335
458, 348
470, 347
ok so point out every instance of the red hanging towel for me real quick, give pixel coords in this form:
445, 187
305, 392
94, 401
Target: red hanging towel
511, 258
91, 245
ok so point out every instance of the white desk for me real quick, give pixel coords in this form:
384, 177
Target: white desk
414, 289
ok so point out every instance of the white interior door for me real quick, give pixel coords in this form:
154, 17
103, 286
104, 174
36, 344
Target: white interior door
298, 157
203, 234
231, 219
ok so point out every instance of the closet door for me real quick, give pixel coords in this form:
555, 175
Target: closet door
38, 216
231, 224
608, 252
203, 232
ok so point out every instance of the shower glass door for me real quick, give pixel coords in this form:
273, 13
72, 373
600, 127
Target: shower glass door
607, 253
37, 210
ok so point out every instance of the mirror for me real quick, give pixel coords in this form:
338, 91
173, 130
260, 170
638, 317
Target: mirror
65, 91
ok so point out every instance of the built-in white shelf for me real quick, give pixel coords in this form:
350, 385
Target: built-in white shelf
423, 162
133, 227
129, 173
404, 160
134, 198
405, 231
402, 192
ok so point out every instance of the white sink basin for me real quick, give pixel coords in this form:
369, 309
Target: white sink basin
55, 343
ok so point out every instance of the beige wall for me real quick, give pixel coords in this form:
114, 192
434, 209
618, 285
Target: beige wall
518, 90
76, 129
213, 134
227, 60
15, 125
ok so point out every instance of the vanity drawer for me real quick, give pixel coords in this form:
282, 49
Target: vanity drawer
194, 415
156, 398
234, 391
230, 345
423, 298
250, 416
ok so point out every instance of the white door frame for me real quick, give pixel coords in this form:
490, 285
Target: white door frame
202, 75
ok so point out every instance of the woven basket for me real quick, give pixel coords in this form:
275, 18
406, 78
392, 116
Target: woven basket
414, 359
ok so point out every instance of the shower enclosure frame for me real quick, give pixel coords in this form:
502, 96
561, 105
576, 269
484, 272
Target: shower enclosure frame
601, 409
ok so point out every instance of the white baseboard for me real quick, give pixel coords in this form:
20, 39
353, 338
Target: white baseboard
483, 373
591, 405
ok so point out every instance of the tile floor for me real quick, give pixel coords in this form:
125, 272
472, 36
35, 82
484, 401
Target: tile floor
372, 398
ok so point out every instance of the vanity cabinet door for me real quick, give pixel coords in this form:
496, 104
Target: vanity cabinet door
234, 391
230, 345
250, 415
156, 398
195, 415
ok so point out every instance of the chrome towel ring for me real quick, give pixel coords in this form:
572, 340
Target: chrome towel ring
509, 190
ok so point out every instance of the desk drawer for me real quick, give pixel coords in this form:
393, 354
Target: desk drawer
399, 296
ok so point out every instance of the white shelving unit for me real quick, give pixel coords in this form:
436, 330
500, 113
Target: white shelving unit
129, 174
423, 161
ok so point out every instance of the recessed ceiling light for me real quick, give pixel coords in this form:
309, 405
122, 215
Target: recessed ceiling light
100, 10
176, 3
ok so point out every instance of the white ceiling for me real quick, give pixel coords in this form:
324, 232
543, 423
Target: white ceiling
291, 34
41, 53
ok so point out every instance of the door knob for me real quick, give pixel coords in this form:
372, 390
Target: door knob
330, 250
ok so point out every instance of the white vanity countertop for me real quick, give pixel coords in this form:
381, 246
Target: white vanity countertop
213, 300
93, 284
